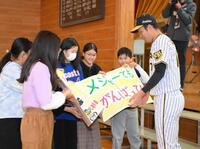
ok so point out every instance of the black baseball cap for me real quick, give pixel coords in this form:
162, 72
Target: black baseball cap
143, 20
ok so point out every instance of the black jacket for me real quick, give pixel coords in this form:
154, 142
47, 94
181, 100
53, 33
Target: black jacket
183, 17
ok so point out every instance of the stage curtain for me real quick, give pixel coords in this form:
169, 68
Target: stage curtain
153, 7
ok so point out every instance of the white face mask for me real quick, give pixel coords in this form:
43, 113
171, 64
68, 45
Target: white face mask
71, 57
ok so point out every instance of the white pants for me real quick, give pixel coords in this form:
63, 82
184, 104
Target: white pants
168, 108
126, 120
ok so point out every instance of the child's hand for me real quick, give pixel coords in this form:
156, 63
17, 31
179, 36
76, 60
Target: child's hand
125, 65
74, 111
72, 99
132, 64
102, 72
67, 93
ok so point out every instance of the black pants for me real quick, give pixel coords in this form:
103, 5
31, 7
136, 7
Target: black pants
181, 47
65, 134
10, 133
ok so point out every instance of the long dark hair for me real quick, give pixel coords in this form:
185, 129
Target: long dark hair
66, 44
45, 49
18, 45
89, 46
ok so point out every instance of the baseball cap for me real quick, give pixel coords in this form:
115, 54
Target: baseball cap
143, 20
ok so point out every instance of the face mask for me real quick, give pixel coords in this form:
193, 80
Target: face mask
71, 57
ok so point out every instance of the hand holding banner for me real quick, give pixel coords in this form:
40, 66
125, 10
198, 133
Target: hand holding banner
107, 94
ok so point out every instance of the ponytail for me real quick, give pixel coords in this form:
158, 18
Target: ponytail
5, 60
18, 45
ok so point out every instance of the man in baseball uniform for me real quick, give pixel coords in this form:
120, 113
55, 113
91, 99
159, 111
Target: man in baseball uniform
164, 82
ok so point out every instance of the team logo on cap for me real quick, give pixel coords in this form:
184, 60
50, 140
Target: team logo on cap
146, 21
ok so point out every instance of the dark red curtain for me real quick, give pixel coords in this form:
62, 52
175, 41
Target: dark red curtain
136, 6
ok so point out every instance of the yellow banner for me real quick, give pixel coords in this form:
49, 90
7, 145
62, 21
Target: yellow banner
106, 94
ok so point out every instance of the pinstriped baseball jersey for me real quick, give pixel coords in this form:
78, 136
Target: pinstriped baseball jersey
163, 50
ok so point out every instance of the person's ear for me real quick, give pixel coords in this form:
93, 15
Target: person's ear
25, 55
21, 55
132, 59
149, 27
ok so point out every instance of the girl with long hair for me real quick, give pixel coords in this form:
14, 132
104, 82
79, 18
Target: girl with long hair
40, 81
11, 110
66, 117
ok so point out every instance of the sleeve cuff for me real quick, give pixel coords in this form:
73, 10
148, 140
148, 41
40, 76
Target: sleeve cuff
58, 99
145, 89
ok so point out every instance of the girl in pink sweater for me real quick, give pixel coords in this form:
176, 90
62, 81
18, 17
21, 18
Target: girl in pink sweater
39, 78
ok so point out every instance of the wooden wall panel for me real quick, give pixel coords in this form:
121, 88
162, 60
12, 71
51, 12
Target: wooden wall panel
101, 32
188, 130
123, 24
18, 18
